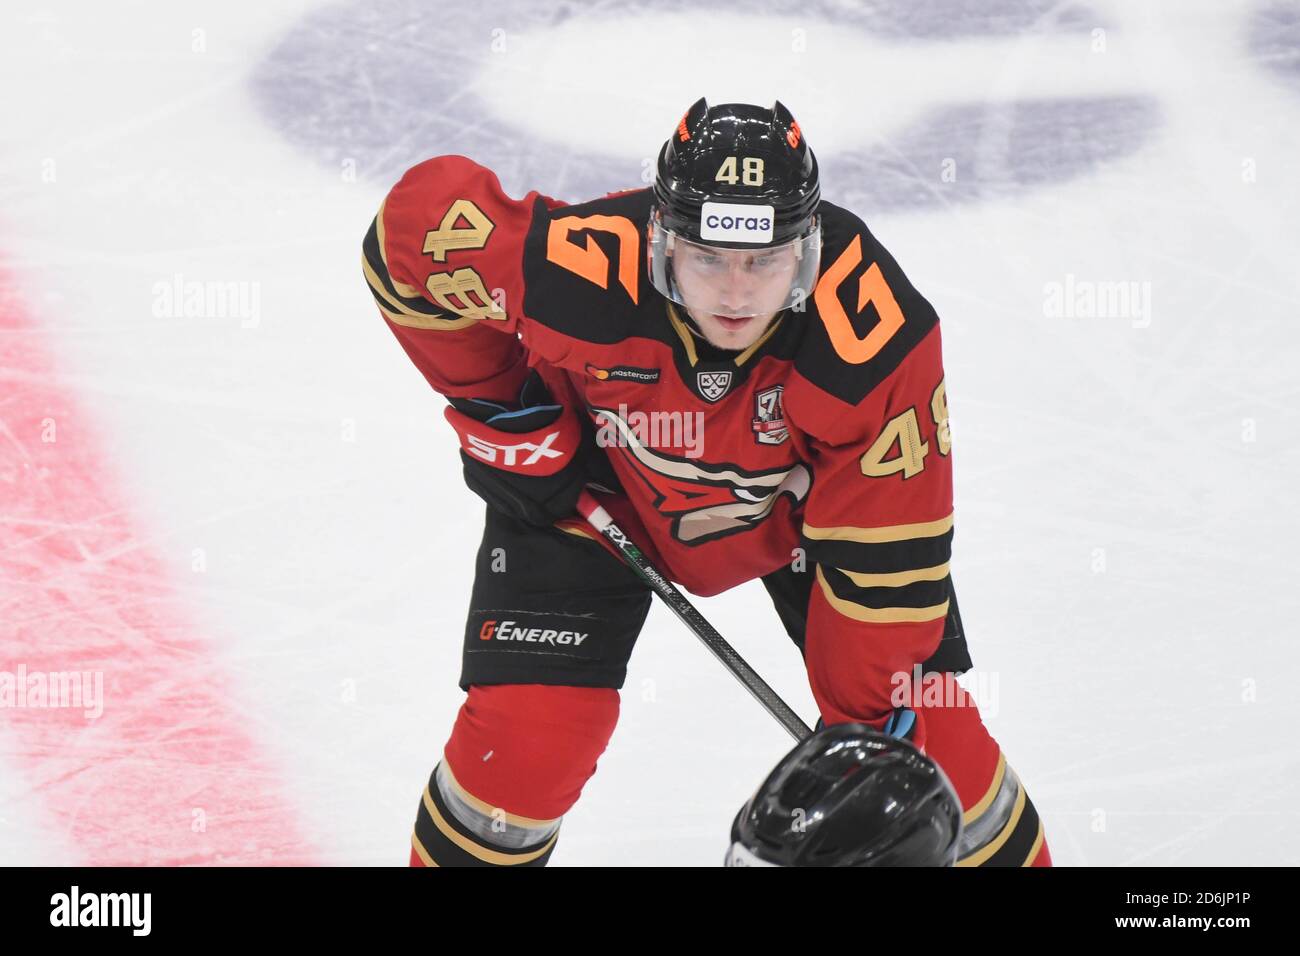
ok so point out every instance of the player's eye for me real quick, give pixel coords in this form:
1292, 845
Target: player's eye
707, 260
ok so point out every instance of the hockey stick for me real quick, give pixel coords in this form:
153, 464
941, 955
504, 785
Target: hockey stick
599, 519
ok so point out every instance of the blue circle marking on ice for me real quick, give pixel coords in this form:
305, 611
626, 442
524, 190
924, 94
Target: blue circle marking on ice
1274, 38
388, 83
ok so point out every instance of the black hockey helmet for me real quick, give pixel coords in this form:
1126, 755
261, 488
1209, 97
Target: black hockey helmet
737, 177
741, 154
850, 795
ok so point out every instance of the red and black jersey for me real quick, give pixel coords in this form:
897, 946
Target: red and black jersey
826, 441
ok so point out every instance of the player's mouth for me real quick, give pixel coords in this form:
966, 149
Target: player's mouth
732, 324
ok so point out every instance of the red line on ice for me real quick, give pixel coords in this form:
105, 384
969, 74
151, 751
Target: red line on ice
79, 592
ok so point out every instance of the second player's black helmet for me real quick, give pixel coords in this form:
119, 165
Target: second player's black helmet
850, 796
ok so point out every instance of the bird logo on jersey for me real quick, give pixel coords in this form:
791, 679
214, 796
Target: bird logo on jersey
705, 500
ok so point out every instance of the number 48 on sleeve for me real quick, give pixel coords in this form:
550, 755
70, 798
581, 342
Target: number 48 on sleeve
905, 430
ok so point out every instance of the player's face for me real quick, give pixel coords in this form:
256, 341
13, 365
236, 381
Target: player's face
720, 284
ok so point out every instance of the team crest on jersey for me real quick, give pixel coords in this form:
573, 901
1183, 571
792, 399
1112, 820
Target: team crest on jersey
706, 500
769, 417
713, 385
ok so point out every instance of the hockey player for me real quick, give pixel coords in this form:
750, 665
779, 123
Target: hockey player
752, 388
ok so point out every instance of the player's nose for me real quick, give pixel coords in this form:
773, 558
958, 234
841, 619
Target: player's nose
736, 288
733, 298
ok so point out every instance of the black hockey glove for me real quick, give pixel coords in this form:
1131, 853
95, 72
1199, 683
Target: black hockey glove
526, 461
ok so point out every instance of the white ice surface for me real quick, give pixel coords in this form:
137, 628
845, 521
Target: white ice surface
337, 565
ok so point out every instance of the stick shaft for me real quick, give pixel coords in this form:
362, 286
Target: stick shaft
600, 519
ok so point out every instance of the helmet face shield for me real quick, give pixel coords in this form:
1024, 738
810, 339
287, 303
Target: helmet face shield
730, 281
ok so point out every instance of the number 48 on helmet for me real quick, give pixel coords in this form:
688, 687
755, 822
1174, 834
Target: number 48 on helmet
734, 228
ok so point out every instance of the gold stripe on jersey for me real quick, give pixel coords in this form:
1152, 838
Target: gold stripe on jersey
425, 858
478, 850
403, 297
384, 295
881, 535
400, 303
980, 856
683, 333
1036, 846
888, 574
771, 330
422, 322
401, 288
488, 810
896, 579
977, 809
879, 615
399, 313
688, 338
1003, 827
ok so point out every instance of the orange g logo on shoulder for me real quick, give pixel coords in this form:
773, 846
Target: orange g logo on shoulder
872, 288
